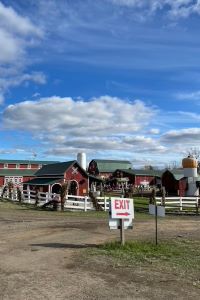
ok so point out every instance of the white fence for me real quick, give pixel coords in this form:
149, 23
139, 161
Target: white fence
72, 202
84, 203
180, 203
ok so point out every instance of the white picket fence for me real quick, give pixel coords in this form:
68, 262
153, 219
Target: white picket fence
72, 202
180, 203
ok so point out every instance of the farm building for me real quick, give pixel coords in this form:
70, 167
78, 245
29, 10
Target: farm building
185, 181
19, 171
105, 168
137, 177
174, 182
50, 178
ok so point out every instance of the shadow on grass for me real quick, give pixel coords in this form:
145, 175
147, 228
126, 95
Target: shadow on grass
67, 246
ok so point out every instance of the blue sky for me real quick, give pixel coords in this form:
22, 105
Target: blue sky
117, 79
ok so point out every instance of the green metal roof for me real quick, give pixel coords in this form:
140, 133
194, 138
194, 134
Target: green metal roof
16, 161
55, 169
92, 177
17, 172
42, 181
178, 176
177, 173
111, 165
142, 172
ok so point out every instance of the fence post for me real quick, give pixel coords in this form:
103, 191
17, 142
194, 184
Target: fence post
197, 206
14, 195
46, 197
85, 203
105, 204
181, 204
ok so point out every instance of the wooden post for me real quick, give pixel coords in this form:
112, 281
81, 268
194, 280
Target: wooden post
156, 223
122, 234
181, 204
197, 206
85, 203
105, 203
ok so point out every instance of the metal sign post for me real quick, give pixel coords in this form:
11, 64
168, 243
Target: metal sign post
156, 221
122, 233
157, 211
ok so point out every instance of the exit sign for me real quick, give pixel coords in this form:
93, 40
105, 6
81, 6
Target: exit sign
121, 208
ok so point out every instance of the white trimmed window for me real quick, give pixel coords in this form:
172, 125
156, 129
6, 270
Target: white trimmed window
5, 166
16, 180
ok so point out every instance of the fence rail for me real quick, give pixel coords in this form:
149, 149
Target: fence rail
180, 203
72, 202
85, 203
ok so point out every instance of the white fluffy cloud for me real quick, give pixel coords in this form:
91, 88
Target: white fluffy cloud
145, 144
101, 123
188, 137
174, 8
17, 34
99, 116
104, 126
13, 22
191, 96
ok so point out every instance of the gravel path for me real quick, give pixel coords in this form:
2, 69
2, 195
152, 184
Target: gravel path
43, 256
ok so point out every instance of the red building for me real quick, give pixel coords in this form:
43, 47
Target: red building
51, 177
174, 182
19, 171
104, 169
138, 177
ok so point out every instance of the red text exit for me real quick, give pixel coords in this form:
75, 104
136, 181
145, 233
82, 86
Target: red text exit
122, 204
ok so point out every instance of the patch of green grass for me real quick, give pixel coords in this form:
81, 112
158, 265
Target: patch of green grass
141, 203
6, 205
181, 254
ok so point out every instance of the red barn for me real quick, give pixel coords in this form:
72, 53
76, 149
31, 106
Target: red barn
18, 171
104, 168
138, 177
50, 178
174, 182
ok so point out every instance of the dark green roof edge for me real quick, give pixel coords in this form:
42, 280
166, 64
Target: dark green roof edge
57, 169
177, 173
111, 161
107, 166
141, 172
42, 181
17, 172
16, 161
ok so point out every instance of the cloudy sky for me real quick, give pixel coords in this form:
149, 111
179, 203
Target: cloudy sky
117, 79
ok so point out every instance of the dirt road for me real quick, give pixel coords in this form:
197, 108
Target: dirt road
44, 256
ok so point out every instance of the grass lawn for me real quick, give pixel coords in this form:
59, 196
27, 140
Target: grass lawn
141, 204
179, 256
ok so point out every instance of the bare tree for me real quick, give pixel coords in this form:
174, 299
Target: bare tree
10, 189
36, 197
63, 194
19, 195
194, 152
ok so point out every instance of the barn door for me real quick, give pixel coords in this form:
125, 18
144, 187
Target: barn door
73, 188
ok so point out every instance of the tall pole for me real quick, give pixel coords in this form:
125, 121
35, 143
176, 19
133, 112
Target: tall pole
122, 234
156, 223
